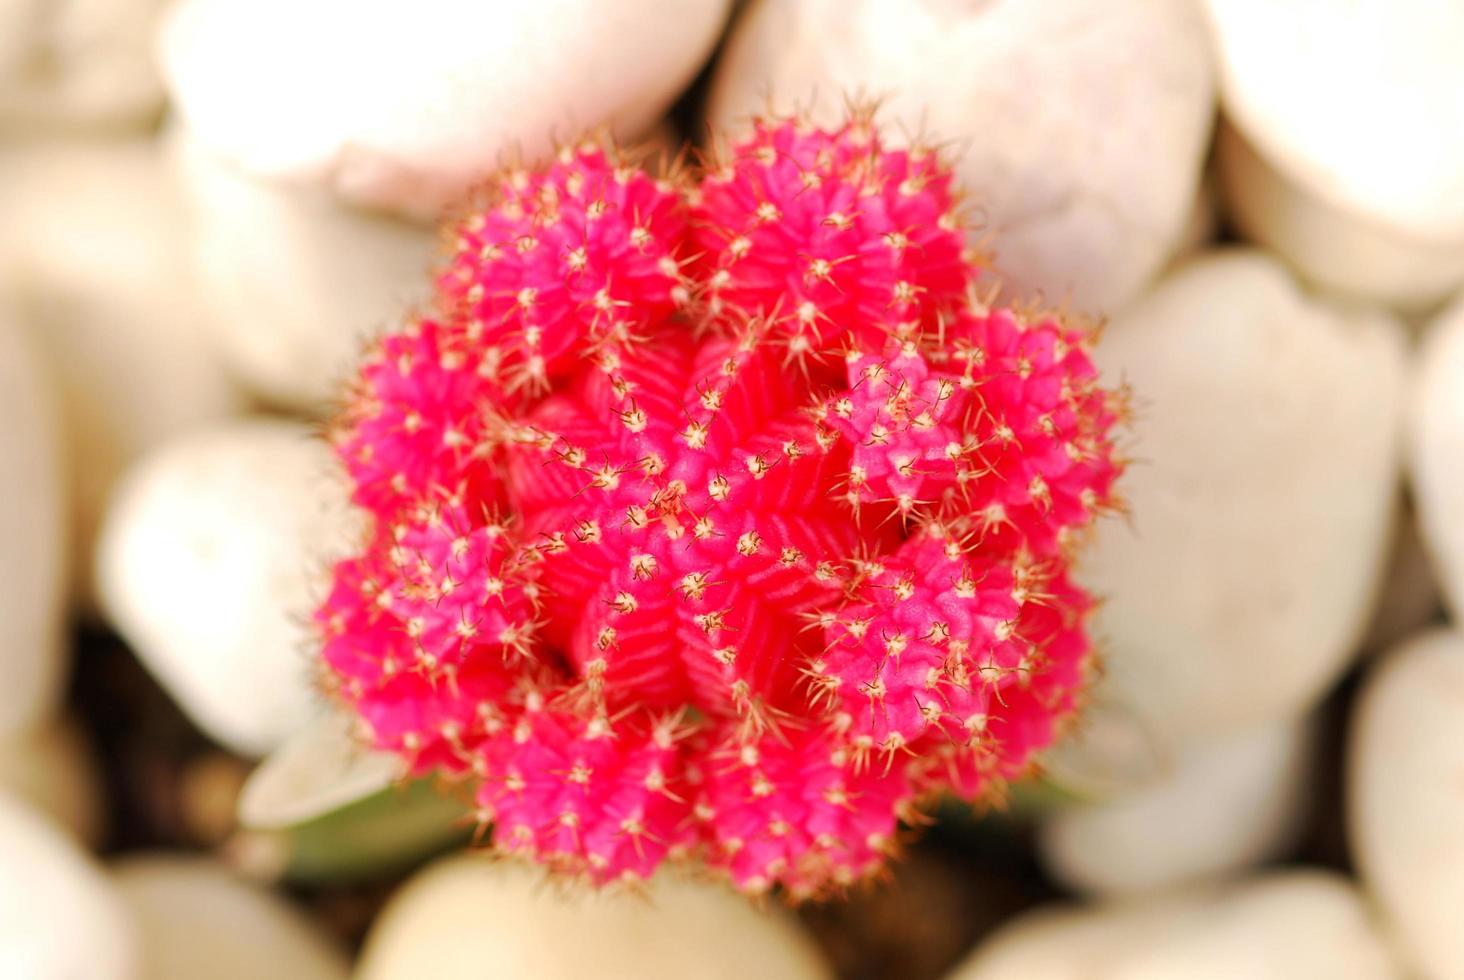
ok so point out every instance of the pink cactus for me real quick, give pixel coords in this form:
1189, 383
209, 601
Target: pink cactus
1002, 414
828, 237
714, 530
580, 255
412, 430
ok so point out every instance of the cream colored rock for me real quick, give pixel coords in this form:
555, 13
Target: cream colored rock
1348, 253
93, 247
1229, 803
405, 106
1063, 941
213, 555
1081, 125
469, 917
53, 769
196, 919
1267, 434
1393, 63
1276, 927
294, 281
1436, 451
1352, 158
1406, 798
32, 534
60, 919
78, 64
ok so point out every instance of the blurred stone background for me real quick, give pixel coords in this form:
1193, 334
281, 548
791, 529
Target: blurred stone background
207, 207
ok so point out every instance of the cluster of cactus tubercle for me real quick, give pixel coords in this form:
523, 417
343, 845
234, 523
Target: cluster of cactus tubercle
717, 516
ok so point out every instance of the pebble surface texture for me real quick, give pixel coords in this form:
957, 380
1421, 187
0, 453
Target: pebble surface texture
94, 249
196, 918
1374, 210
1230, 803
401, 114
1273, 927
1406, 798
209, 558
59, 916
1245, 378
295, 281
80, 66
469, 917
1436, 451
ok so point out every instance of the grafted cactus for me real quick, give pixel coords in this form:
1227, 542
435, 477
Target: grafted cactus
720, 520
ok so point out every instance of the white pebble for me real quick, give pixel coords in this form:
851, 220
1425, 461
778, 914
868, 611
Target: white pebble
1081, 125
1348, 150
32, 534
81, 64
1285, 926
470, 917
212, 557
1436, 451
1228, 803
404, 106
60, 919
1406, 797
94, 249
295, 281
196, 919
1263, 497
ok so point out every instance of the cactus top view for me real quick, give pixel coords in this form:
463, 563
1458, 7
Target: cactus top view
720, 516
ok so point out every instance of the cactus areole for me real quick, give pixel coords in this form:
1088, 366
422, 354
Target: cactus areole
718, 517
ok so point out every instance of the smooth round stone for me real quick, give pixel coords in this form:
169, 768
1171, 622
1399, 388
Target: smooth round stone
1351, 254
1436, 451
196, 919
1352, 158
1406, 797
53, 769
1065, 941
1262, 501
1388, 63
33, 529
1078, 127
94, 248
469, 917
82, 64
1227, 804
213, 555
406, 106
59, 916
1275, 927
296, 283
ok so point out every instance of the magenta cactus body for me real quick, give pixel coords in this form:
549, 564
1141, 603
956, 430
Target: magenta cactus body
720, 521
580, 255
829, 238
